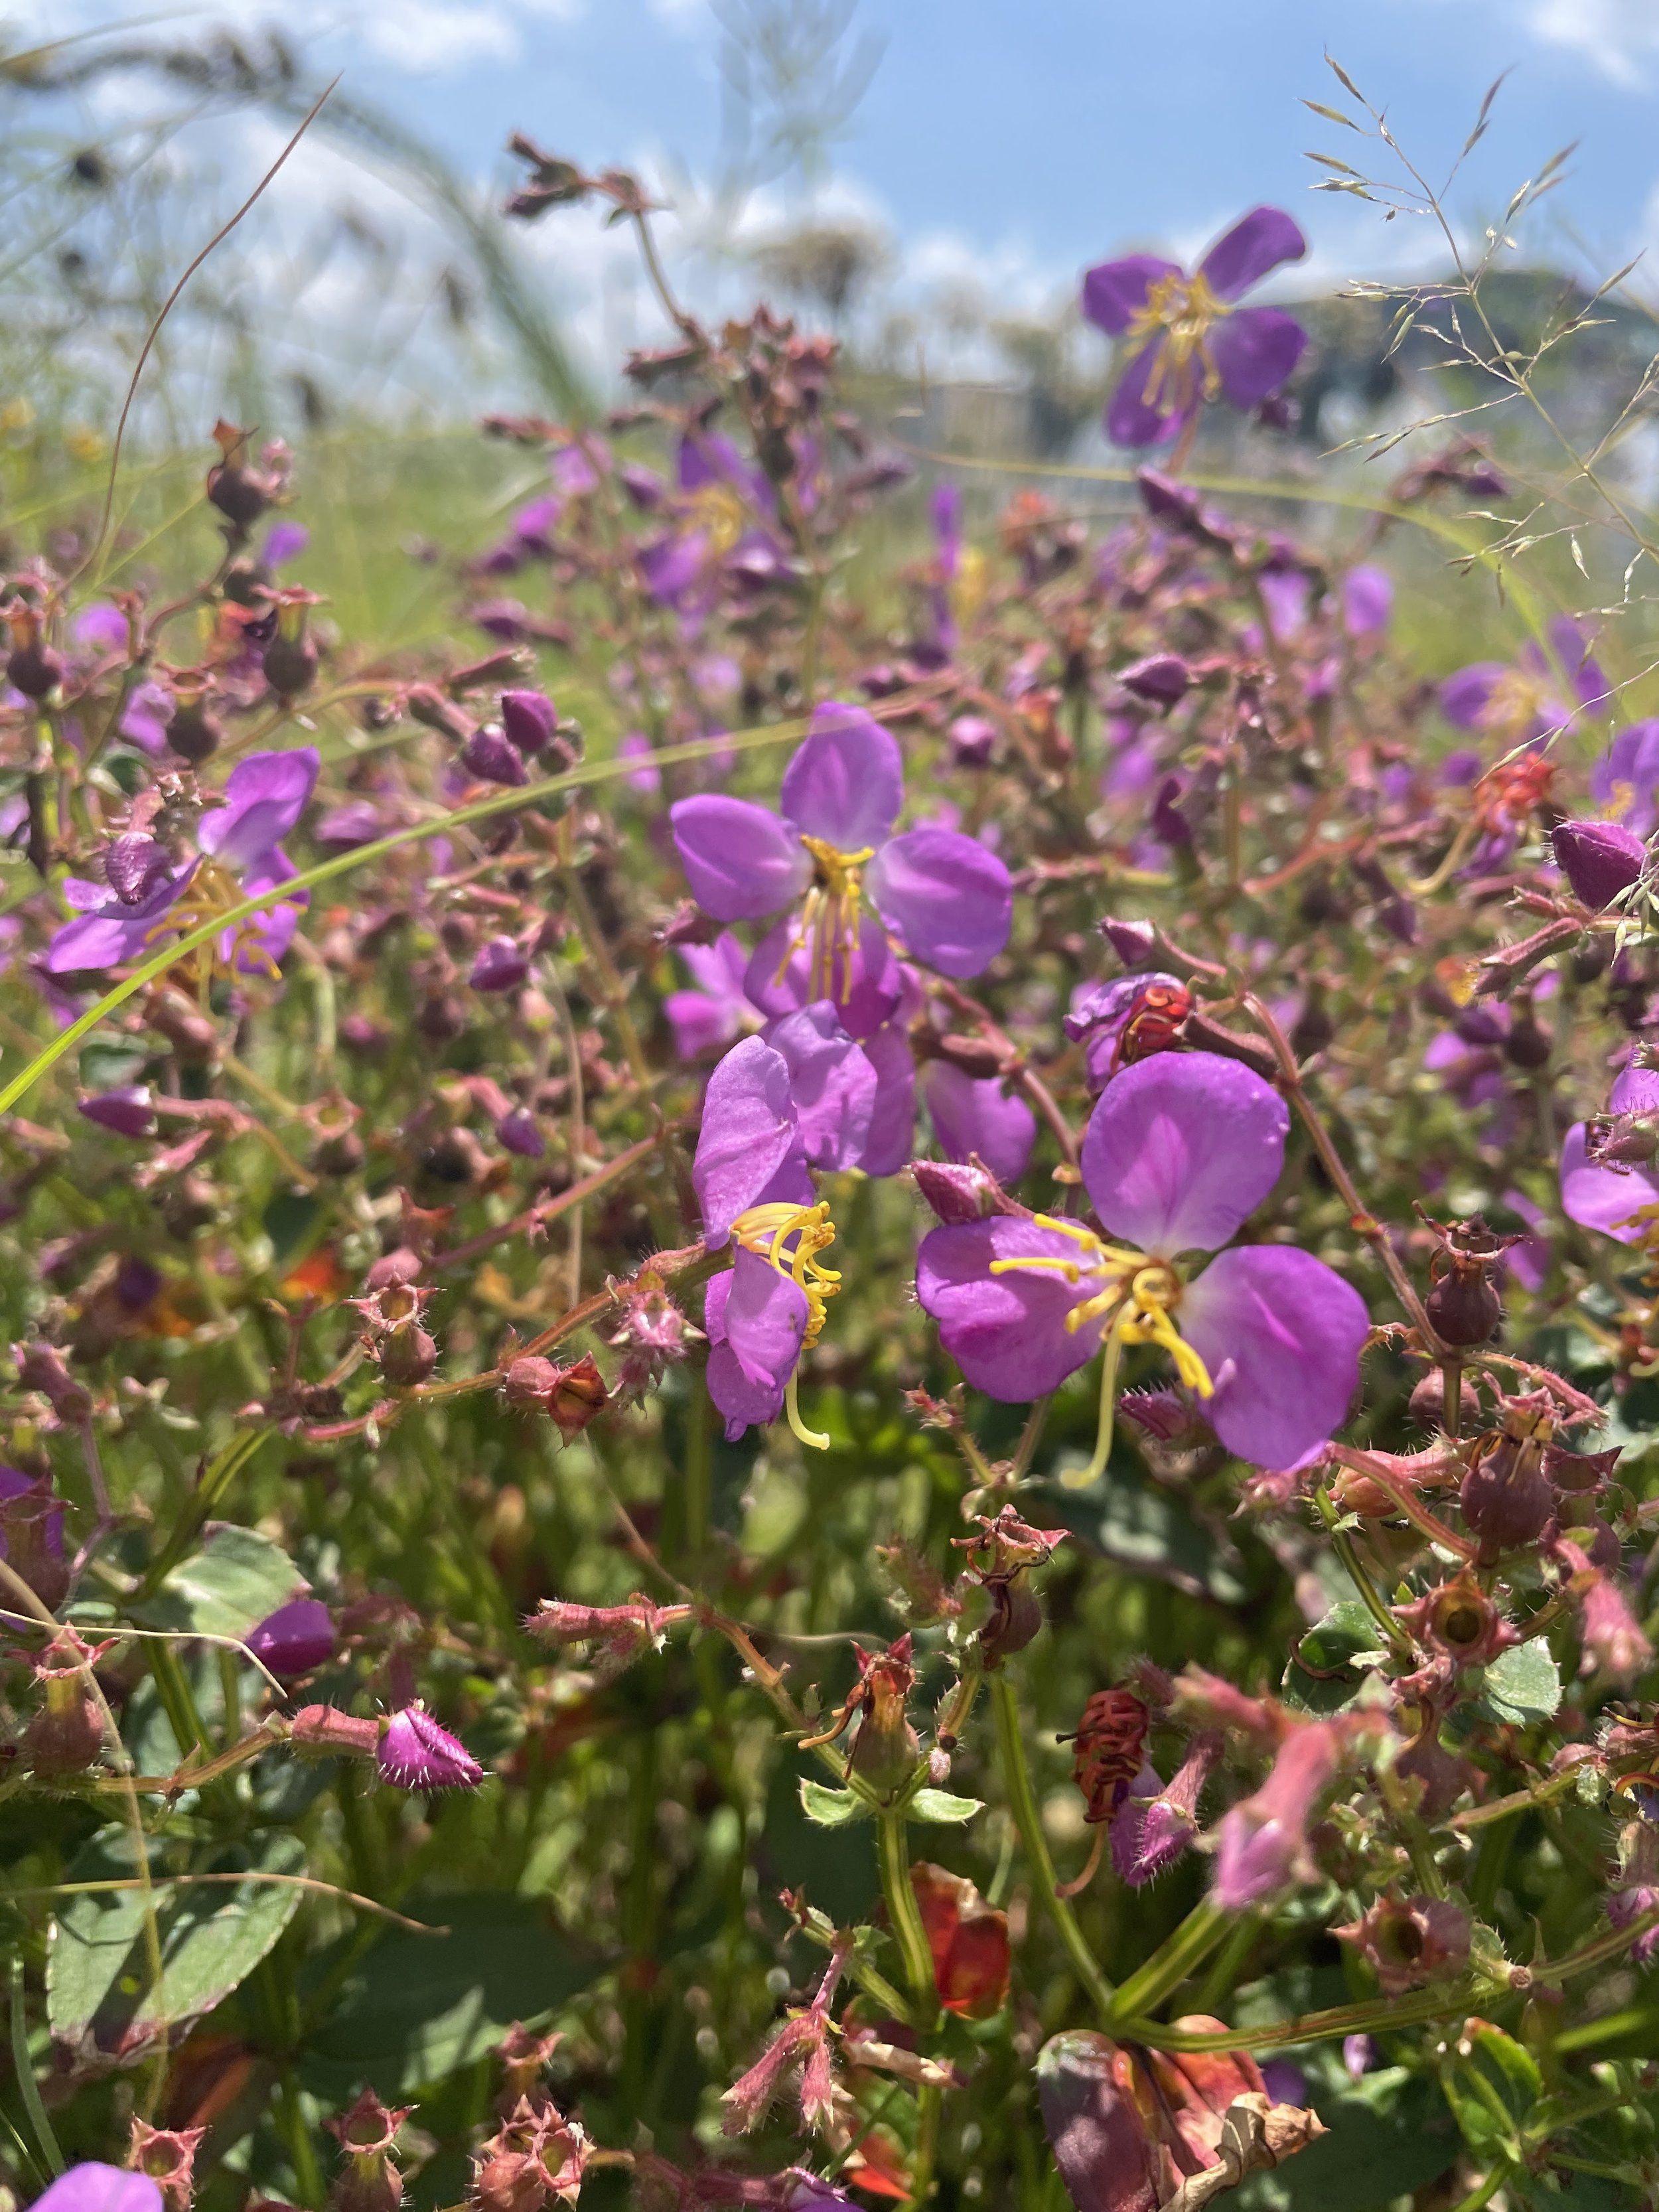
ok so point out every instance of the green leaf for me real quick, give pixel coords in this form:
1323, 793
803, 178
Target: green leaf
1514, 2066
830, 1809
1340, 1647
99, 1977
1522, 1684
1153, 1532
1390, 2135
419, 2008
940, 1807
235, 1579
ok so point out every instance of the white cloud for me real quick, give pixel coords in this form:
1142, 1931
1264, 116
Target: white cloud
1619, 37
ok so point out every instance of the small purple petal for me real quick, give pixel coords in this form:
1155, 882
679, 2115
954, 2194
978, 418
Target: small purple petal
343, 828
102, 628
948, 898
136, 865
1281, 1334
111, 935
893, 1117
1181, 1149
1635, 1091
1255, 350
1283, 2081
1115, 292
1241, 256
740, 861
1465, 694
1625, 782
832, 1084
1367, 600
284, 541
846, 782
973, 1114
748, 1134
1604, 1198
128, 1111
1006, 1333
764, 1321
264, 797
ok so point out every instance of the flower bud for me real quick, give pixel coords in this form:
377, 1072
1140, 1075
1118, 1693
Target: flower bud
394, 1270
490, 756
1427, 1403
193, 733
529, 719
32, 1535
67, 1735
1135, 943
416, 1753
578, 1395
407, 1355
1111, 1739
1411, 1941
1599, 860
134, 866
1162, 679
517, 1132
128, 1111
1462, 1302
972, 740
294, 1639
40, 1368
958, 1192
501, 965
885, 1749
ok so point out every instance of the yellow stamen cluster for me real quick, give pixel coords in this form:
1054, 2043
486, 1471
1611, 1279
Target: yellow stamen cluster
768, 1230
718, 513
828, 919
1137, 1298
213, 892
1517, 699
1183, 310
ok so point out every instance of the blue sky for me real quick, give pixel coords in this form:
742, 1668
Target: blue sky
1054, 130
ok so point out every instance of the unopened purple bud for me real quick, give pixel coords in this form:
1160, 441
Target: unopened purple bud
1283, 2081
1598, 859
295, 1639
127, 1111
1162, 679
489, 755
972, 740
517, 1131
416, 1753
529, 719
1135, 943
501, 966
957, 1192
1358, 2055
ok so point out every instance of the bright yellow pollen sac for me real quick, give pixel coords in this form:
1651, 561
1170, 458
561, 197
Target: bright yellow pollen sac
1137, 1299
829, 919
1184, 310
213, 892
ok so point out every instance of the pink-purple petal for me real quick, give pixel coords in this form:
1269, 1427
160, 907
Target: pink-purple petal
1255, 351
832, 1084
1114, 292
1604, 1198
975, 1113
1181, 1149
946, 896
1006, 1333
1281, 1334
845, 782
1625, 782
740, 861
264, 797
1465, 694
747, 1135
893, 1117
1258, 242
113, 935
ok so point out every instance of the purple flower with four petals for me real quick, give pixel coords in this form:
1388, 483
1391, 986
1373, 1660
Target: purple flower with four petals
1622, 1202
1187, 338
1178, 1152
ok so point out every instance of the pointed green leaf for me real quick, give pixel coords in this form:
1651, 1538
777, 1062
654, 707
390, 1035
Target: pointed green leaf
830, 1809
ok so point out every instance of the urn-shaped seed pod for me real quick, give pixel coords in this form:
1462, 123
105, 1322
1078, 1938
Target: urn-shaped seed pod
1507, 1498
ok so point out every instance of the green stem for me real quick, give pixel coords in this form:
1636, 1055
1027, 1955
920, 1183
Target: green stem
904, 1913
23, 2065
1022, 1802
1484, 2191
1342, 1544
1173, 1961
301, 2150
1450, 2001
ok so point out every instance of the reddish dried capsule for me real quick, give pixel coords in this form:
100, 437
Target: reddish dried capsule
1111, 1742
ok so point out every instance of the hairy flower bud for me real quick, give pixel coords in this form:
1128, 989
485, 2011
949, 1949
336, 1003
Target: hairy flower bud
416, 1753
884, 1747
1110, 1742
490, 756
294, 1640
1598, 859
529, 719
1462, 1302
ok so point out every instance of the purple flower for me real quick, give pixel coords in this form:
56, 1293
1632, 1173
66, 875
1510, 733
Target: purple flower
1263, 1841
1187, 340
415, 1753
1522, 704
1598, 859
1154, 1825
1625, 782
1179, 1151
1358, 2055
240, 855
501, 965
749, 1175
973, 1116
714, 1011
1367, 600
95, 2188
295, 1639
1619, 1201
102, 628
948, 898
1624, 1906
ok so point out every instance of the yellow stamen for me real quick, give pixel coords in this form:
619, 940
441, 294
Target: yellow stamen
829, 921
767, 1230
716, 510
211, 891
1137, 1299
1181, 311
